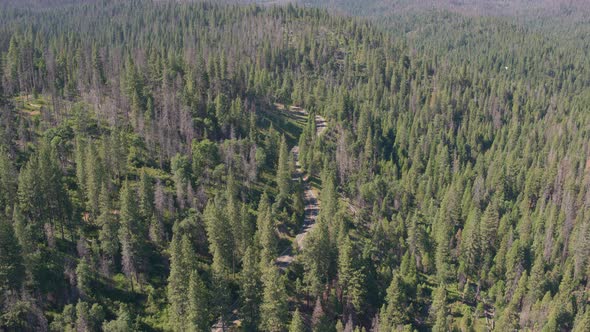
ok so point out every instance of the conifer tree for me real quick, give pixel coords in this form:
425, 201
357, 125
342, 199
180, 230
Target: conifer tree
181, 174
488, 232
82, 316
470, 245
250, 287
297, 324
123, 322
439, 309
29, 202
509, 318
537, 280
81, 175
156, 231
274, 307
131, 234
283, 172
97, 316
319, 320
350, 275
177, 289
197, 304
93, 179
235, 221
146, 195
205, 156
582, 322
13, 59
393, 313
108, 233
12, 270
317, 258
266, 231
220, 240
220, 246
8, 182
448, 217
84, 279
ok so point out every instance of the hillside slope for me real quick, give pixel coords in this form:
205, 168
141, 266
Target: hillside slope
147, 184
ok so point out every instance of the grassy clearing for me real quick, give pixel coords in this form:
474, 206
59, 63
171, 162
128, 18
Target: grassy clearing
30, 105
285, 122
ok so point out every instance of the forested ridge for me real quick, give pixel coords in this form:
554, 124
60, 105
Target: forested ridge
148, 183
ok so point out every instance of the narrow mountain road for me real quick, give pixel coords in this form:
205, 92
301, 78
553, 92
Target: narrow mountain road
312, 206
311, 212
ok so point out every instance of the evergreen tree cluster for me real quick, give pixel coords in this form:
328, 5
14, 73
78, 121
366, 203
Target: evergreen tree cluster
147, 180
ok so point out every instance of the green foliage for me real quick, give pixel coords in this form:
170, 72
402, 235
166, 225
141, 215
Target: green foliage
185, 293
12, 269
439, 309
393, 314
205, 158
274, 307
138, 142
131, 234
198, 304
250, 289
283, 173
266, 232
351, 275
123, 322
297, 324
8, 182
317, 258
84, 279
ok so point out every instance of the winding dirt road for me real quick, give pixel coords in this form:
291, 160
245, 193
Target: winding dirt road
312, 206
312, 209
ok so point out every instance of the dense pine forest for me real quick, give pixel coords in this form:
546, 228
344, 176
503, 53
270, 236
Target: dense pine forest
198, 166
